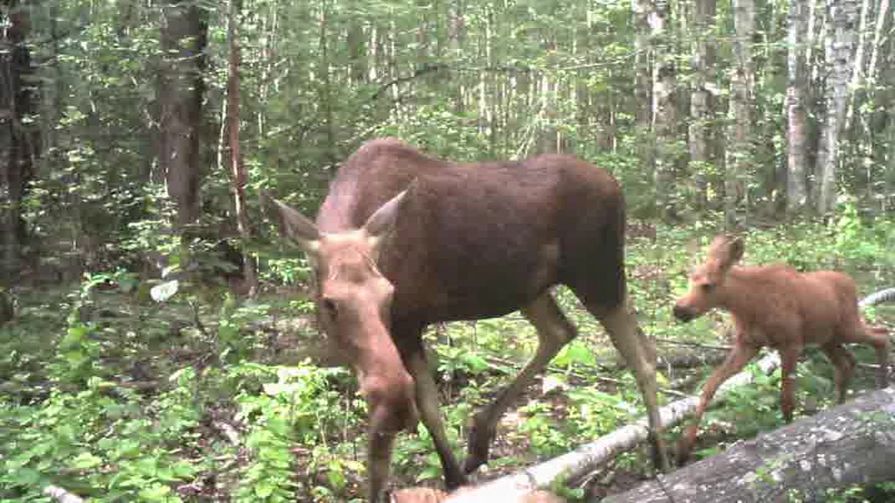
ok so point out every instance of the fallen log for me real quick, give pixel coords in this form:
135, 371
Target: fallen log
61, 495
852, 444
585, 459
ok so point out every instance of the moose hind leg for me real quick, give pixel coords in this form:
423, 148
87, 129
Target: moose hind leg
878, 338
843, 367
554, 332
636, 349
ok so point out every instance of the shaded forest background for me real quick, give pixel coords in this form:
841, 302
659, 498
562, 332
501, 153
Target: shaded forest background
117, 112
156, 343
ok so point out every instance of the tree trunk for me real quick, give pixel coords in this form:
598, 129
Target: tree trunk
701, 99
180, 90
238, 175
663, 115
796, 183
839, 49
643, 90
18, 141
742, 84
852, 444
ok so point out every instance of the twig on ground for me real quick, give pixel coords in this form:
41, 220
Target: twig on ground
692, 344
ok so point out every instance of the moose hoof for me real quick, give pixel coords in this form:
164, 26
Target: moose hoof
683, 452
479, 443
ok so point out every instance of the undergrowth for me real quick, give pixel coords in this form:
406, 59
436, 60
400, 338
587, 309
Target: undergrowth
115, 396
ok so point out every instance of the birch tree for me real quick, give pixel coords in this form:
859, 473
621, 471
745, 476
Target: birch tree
838, 53
796, 188
701, 98
663, 113
742, 85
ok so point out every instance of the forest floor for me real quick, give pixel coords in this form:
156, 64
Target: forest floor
204, 397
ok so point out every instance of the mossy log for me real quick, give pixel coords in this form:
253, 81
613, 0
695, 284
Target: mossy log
853, 444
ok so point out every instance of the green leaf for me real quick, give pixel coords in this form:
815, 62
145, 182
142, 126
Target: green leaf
85, 461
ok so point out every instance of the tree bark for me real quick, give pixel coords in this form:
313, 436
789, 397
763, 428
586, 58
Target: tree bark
796, 134
839, 49
663, 114
238, 175
643, 88
701, 98
18, 141
180, 90
848, 445
742, 84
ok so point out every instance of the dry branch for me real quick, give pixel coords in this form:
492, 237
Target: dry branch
841, 447
578, 463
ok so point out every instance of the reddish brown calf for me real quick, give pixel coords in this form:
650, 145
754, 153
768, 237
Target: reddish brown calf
779, 307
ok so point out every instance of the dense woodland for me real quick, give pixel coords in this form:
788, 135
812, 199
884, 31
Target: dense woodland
157, 343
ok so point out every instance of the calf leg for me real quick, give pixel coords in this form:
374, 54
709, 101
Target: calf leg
621, 325
738, 357
554, 332
878, 338
843, 365
789, 357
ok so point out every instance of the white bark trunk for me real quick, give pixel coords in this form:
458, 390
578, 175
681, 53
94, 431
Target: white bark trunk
742, 84
663, 113
852, 444
796, 183
839, 50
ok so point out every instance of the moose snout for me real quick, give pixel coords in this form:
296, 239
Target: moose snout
394, 400
683, 313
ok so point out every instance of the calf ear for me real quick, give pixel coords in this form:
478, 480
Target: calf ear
293, 224
382, 221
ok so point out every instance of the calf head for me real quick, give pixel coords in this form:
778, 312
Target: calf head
353, 305
707, 279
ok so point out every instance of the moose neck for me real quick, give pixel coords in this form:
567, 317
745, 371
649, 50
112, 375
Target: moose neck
741, 293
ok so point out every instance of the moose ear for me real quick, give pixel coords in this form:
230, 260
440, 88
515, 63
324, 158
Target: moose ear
293, 224
382, 221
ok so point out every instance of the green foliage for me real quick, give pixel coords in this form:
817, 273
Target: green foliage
75, 416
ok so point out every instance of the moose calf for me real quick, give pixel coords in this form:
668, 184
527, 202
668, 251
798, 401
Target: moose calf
779, 307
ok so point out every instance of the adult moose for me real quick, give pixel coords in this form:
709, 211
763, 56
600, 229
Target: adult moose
403, 240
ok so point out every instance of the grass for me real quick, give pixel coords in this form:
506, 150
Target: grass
116, 397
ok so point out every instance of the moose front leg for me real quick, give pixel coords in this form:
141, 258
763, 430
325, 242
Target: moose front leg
738, 357
379, 457
427, 403
554, 332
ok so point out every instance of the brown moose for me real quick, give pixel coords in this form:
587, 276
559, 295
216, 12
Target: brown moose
779, 307
404, 240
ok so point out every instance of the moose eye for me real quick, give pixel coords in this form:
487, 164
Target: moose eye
708, 287
330, 307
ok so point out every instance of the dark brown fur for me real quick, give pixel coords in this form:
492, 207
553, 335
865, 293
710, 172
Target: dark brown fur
779, 307
463, 241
